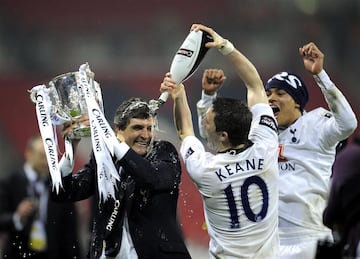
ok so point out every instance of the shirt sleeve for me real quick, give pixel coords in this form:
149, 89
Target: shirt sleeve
344, 122
202, 106
264, 126
192, 151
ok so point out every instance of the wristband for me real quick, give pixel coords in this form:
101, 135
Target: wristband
323, 80
226, 48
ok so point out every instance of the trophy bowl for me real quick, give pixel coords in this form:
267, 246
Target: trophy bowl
68, 101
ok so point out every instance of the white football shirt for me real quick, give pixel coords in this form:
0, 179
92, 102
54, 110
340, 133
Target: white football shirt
240, 191
306, 154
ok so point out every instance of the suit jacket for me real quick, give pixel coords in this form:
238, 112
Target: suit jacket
148, 193
61, 223
343, 212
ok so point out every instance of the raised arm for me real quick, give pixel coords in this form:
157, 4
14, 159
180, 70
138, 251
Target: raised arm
212, 81
182, 113
345, 121
243, 67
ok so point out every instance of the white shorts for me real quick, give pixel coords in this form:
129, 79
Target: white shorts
298, 243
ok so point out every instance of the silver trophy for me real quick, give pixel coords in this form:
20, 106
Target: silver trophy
68, 100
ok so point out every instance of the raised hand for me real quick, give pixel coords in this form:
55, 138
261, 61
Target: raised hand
313, 58
217, 42
212, 80
68, 127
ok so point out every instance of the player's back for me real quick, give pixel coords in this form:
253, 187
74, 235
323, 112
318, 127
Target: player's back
240, 192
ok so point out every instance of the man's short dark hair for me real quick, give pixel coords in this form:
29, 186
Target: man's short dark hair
234, 117
131, 108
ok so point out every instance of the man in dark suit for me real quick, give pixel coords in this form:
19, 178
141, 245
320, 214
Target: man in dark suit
36, 227
139, 220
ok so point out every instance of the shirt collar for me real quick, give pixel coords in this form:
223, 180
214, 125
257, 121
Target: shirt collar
31, 175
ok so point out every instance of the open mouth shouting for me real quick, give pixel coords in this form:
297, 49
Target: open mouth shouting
276, 110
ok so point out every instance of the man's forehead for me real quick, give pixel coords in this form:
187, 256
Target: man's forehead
145, 122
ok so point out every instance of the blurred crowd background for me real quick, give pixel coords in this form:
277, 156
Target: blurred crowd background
130, 45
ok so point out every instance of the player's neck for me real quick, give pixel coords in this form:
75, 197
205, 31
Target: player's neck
232, 149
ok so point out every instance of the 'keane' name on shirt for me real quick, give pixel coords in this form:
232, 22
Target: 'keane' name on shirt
243, 166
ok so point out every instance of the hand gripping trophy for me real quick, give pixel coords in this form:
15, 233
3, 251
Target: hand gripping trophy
66, 98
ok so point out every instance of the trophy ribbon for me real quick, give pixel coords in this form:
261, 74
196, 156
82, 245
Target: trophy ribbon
103, 140
43, 108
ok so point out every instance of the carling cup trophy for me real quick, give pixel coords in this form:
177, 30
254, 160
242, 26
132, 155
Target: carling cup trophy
66, 95
64, 100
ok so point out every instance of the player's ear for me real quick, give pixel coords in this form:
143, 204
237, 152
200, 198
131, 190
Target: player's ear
224, 136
